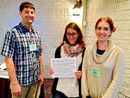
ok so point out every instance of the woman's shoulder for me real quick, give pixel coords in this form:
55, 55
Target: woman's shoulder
57, 52
89, 47
58, 48
118, 50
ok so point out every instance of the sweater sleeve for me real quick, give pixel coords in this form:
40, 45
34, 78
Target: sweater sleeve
57, 55
57, 52
117, 80
84, 87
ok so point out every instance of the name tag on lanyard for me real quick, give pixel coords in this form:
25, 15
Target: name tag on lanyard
95, 72
32, 47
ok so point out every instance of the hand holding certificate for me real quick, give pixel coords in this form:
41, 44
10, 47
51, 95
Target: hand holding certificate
63, 67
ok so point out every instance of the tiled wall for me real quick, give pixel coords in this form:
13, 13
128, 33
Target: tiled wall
53, 15
51, 18
119, 11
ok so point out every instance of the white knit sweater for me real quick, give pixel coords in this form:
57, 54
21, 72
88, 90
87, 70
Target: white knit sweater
111, 64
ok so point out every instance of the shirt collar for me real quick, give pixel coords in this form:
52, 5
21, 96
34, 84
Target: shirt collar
24, 28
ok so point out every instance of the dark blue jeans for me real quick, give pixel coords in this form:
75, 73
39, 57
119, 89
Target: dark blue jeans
61, 95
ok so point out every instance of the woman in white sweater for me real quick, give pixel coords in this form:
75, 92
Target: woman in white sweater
103, 64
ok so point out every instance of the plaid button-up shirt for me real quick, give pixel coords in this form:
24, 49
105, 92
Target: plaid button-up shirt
16, 45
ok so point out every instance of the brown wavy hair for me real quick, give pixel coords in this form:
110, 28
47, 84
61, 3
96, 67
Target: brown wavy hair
80, 39
108, 20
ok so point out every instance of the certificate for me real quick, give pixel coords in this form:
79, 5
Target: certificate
63, 67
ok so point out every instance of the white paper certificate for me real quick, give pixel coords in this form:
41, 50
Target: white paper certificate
63, 67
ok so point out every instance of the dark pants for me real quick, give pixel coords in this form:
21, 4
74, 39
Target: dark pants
61, 95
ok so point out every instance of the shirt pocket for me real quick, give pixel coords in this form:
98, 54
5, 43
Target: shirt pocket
22, 45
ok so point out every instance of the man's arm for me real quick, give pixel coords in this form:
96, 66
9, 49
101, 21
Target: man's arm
41, 79
16, 88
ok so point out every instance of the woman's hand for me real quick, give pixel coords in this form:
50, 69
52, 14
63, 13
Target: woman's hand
51, 70
78, 74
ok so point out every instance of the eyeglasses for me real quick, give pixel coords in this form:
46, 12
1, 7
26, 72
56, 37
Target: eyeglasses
71, 34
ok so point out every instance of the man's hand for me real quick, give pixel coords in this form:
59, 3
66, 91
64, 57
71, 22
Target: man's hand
41, 79
16, 90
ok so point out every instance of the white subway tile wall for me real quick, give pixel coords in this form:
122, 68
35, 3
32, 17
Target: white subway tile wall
119, 11
53, 15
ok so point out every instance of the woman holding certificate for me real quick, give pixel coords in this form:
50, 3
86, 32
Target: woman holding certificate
103, 64
72, 46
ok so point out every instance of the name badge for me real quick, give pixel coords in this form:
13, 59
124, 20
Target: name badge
32, 47
95, 72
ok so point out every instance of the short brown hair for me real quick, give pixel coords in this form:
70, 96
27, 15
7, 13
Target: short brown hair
74, 26
26, 5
